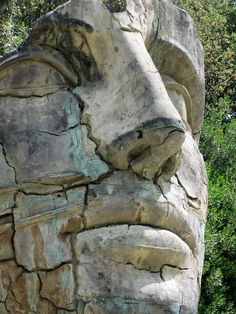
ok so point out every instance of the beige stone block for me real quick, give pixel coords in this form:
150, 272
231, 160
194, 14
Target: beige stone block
6, 235
9, 272
24, 297
58, 286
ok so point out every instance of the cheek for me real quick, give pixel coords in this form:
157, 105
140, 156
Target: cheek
192, 174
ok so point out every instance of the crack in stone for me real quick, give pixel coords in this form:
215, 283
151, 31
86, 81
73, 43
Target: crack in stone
59, 133
171, 266
8, 163
14, 296
129, 264
41, 194
94, 140
74, 264
187, 194
135, 224
157, 175
81, 306
40, 291
6, 219
60, 88
168, 203
4, 304
14, 229
3, 261
48, 270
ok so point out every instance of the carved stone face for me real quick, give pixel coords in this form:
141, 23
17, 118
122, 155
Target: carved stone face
103, 190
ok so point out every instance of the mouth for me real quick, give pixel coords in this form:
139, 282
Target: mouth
141, 203
143, 247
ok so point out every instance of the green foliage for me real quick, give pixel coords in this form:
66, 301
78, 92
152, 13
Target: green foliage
216, 21
17, 16
115, 5
219, 147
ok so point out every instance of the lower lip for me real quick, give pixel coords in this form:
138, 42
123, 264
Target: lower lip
144, 247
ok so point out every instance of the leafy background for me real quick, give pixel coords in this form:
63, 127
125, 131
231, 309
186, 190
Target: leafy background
216, 21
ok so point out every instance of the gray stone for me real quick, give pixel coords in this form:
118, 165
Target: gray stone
43, 226
47, 125
125, 198
120, 306
7, 172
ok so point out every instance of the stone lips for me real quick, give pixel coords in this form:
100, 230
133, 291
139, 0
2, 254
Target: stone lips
123, 198
143, 247
128, 264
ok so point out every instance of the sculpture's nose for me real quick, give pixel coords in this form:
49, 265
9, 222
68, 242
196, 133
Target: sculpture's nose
130, 113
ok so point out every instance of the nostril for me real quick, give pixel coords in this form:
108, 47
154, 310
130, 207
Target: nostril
134, 153
139, 133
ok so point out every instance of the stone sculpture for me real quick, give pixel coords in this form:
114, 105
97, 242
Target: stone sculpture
103, 191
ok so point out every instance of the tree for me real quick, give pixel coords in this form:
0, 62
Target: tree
216, 21
17, 16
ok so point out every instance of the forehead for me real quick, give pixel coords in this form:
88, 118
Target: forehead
168, 32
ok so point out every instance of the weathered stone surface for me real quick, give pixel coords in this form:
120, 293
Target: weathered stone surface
125, 198
151, 160
120, 306
43, 225
6, 235
128, 262
192, 173
7, 172
24, 296
39, 128
40, 189
123, 129
3, 309
9, 272
60, 311
58, 287
30, 79
6, 201
144, 247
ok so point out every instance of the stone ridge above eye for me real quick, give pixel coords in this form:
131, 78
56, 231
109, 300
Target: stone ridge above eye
35, 72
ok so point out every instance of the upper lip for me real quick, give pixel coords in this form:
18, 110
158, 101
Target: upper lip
140, 206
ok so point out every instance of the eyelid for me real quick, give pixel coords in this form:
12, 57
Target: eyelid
39, 56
